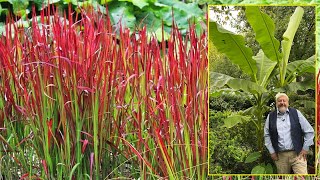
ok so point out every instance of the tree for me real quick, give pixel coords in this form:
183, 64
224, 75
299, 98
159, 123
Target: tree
270, 64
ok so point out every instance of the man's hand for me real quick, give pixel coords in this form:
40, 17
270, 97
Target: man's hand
274, 156
303, 154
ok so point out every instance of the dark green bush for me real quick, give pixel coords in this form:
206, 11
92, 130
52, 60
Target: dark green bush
233, 102
229, 147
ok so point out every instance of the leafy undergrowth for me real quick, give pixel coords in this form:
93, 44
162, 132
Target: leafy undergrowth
79, 101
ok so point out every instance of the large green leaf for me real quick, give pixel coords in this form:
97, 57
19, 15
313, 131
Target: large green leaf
246, 86
269, 169
122, 11
286, 43
148, 19
297, 68
253, 110
138, 3
301, 86
180, 17
258, 170
249, 111
182, 13
220, 80
192, 9
234, 47
265, 67
264, 28
253, 157
233, 120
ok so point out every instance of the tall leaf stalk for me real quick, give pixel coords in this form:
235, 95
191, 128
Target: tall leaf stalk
82, 101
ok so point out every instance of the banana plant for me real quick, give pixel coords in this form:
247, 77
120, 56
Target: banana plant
270, 64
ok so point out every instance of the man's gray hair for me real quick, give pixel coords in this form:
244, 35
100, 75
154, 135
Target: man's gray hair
279, 94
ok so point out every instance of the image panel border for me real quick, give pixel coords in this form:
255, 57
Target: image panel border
317, 68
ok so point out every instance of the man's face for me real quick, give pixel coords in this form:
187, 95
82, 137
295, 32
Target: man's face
282, 104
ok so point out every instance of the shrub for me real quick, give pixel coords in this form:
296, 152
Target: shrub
229, 146
229, 101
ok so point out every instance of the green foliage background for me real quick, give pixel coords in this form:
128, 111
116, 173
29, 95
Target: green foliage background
226, 144
133, 14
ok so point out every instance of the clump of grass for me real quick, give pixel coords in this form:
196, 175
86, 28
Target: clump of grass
80, 100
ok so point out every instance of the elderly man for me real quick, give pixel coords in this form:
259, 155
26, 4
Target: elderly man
288, 136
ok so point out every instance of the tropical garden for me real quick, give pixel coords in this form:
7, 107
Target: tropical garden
118, 89
103, 90
255, 52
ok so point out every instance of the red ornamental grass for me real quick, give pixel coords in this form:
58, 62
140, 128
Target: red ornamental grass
93, 100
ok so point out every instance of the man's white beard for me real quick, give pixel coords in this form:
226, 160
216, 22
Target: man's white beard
282, 109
